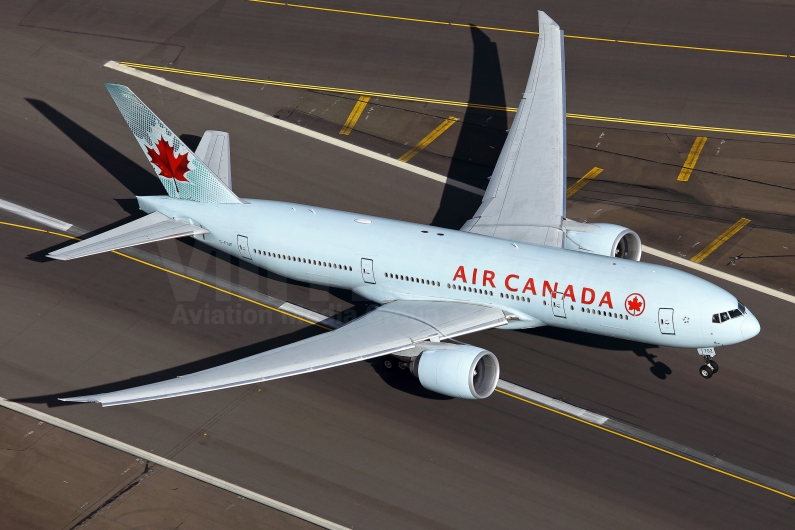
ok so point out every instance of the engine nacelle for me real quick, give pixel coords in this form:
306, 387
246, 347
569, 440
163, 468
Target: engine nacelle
604, 239
464, 371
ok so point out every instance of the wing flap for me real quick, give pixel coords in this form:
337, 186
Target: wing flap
392, 328
148, 229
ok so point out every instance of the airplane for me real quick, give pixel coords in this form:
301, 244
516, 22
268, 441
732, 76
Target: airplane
518, 263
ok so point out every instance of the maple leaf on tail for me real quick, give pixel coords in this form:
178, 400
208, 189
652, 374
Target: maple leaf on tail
170, 167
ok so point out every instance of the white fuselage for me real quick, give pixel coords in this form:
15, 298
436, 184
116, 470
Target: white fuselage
384, 260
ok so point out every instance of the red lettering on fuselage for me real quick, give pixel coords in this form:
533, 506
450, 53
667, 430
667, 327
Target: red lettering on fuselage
551, 290
587, 297
606, 300
591, 296
508, 279
569, 292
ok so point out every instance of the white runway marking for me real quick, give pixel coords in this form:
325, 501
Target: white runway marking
170, 464
46, 220
287, 125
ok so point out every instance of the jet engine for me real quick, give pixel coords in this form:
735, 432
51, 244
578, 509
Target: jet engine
462, 371
604, 239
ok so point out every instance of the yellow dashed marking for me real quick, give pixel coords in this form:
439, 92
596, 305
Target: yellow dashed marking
577, 186
452, 103
524, 31
692, 158
425, 142
725, 236
353, 117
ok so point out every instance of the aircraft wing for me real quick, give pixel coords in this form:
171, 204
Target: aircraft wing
148, 229
391, 328
526, 197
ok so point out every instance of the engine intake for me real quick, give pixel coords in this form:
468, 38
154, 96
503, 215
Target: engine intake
464, 371
604, 239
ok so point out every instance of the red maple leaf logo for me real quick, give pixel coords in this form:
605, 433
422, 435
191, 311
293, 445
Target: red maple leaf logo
635, 304
170, 167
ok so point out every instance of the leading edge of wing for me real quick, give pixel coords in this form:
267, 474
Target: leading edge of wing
391, 328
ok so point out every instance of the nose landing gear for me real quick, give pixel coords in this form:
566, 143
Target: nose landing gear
710, 367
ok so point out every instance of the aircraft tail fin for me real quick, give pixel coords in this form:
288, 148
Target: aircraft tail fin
183, 174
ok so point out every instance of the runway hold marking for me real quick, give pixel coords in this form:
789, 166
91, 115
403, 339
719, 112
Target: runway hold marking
169, 464
601, 427
577, 186
522, 31
163, 82
425, 142
725, 236
692, 158
353, 117
215, 100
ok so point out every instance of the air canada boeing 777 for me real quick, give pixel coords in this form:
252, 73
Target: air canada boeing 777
518, 263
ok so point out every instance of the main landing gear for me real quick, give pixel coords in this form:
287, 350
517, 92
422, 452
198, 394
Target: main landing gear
710, 367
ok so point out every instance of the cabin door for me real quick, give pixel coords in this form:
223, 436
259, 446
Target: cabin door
368, 274
666, 319
242, 246
558, 305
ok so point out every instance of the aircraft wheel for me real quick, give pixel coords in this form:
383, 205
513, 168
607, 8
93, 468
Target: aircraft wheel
388, 364
712, 364
402, 365
706, 372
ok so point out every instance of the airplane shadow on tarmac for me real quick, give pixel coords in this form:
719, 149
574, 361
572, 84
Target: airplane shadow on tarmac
483, 133
658, 368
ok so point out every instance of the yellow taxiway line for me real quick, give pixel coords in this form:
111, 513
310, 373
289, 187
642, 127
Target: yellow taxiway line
725, 236
452, 103
425, 142
692, 158
649, 445
577, 186
353, 117
230, 293
522, 31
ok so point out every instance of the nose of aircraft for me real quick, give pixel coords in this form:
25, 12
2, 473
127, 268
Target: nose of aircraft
750, 327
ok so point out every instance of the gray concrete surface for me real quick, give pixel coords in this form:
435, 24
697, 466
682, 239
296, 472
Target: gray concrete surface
359, 445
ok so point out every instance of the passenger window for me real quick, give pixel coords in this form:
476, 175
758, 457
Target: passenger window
724, 317
735, 313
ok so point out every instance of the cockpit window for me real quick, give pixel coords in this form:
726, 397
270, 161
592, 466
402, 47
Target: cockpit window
717, 318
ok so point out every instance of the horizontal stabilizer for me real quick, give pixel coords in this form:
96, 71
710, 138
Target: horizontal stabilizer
153, 227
